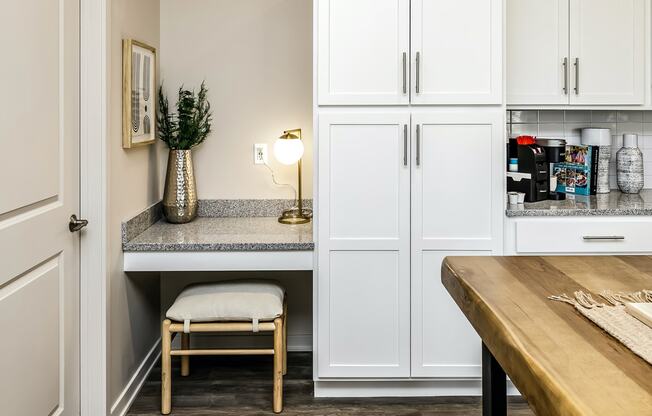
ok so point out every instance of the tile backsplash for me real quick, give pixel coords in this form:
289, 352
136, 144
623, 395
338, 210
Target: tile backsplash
568, 125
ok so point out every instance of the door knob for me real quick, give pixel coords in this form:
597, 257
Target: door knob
76, 224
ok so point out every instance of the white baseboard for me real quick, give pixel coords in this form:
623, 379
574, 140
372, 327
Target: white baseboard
126, 398
403, 388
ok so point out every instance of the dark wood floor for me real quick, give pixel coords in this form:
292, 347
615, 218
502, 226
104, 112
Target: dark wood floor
242, 386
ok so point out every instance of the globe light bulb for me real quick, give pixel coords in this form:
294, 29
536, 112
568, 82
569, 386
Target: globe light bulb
288, 151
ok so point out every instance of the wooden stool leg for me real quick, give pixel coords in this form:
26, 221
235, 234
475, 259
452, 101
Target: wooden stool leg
185, 359
285, 338
166, 368
278, 365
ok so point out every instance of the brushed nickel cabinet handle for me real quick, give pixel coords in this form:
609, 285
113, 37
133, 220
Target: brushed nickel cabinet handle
404, 72
577, 76
405, 145
603, 237
418, 145
565, 65
418, 70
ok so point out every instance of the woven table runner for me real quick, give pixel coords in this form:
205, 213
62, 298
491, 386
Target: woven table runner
614, 319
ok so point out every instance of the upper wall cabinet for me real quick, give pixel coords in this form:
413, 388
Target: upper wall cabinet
537, 52
608, 51
578, 52
364, 48
457, 51
364, 54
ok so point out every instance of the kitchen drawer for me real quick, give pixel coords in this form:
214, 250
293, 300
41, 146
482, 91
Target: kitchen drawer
573, 235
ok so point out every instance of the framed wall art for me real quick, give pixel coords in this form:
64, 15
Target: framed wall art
138, 94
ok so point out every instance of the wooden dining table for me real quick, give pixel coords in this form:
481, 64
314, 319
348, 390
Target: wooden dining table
562, 363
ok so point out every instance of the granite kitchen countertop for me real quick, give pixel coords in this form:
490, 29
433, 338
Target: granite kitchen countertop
217, 230
612, 204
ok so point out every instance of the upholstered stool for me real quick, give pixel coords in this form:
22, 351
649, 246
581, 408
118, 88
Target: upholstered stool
233, 306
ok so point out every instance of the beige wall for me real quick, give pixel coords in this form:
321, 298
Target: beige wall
134, 183
256, 58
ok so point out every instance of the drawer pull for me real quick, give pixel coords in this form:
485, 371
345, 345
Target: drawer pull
603, 238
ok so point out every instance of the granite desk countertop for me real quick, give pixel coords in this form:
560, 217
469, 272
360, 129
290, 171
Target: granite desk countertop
612, 204
223, 234
148, 232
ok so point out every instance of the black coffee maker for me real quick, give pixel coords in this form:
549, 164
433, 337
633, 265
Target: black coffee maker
533, 176
555, 153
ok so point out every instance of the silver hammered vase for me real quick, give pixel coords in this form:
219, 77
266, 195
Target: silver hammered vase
630, 166
180, 193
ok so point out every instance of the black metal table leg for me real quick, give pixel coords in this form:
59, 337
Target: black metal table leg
494, 386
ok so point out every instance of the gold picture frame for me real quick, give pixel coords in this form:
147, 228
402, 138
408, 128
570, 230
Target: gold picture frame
138, 94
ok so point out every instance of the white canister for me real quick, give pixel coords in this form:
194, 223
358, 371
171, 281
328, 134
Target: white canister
602, 139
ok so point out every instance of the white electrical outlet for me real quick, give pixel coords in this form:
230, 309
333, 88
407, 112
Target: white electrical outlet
260, 154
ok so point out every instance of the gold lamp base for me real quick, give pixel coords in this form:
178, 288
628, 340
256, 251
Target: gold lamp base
293, 217
296, 215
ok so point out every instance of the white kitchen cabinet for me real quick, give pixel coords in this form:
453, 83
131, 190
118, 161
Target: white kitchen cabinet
399, 189
364, 48
457, 179
537, 52
577, 52
607, 49
457, 51
364, 245
397, 52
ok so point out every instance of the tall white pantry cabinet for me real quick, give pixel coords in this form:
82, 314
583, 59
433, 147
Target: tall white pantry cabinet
410, 143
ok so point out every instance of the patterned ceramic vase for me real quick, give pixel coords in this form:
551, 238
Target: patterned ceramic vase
630, 165
180, 194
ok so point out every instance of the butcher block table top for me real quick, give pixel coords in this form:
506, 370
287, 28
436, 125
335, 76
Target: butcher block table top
561, 362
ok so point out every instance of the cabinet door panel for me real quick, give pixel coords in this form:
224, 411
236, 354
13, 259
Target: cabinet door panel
457, 201
444, 344
457, 186
358, 185
537, 52
365, 316
361, 48
363, 222
608, 41
459, 48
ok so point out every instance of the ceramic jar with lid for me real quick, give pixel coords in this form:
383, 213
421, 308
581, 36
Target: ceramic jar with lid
601, 138
630, 165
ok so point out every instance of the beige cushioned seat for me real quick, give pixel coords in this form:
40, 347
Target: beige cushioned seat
241, 300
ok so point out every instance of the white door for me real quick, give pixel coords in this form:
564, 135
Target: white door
364, 245
607, 49
538, 60
39, 190
457, 200
457, 51
364, 48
